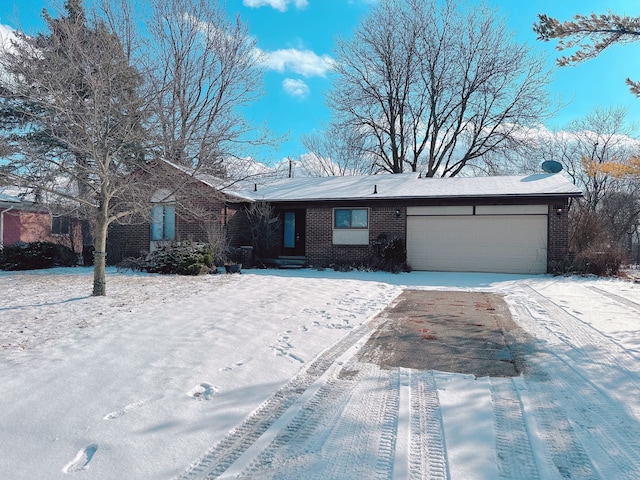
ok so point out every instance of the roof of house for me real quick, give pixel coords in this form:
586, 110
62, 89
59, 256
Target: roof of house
408, 186
8, 195
400, 186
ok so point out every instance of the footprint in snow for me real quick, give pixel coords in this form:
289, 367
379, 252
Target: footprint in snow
204, 391
131, 406
81, 460
229, 368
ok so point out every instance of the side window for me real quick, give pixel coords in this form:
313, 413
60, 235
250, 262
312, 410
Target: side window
163, 216
351, 218
60, 225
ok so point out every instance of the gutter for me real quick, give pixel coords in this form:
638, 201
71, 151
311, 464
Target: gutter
416, 198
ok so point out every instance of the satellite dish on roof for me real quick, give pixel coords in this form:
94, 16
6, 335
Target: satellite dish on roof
551, 166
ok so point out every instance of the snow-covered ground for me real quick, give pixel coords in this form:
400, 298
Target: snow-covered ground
255, 376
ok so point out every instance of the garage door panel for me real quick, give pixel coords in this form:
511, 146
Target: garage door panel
488, 243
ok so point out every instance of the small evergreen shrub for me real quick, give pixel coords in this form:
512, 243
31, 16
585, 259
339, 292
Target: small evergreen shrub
36, 255
182, 258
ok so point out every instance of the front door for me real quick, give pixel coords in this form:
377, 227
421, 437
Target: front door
293, 237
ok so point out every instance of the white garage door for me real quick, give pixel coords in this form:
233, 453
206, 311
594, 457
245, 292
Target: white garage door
506, 239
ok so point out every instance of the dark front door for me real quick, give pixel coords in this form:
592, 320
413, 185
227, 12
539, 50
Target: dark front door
293, 241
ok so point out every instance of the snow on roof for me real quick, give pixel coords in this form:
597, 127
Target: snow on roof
9, 195
410, 186
231, 187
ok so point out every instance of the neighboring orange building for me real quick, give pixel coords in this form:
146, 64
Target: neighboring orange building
25, 221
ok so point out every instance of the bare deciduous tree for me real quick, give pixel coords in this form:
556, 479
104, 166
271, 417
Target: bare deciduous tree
81, 113
601, 137
595, 152
207, 69
434, 86
336, 151
79, 118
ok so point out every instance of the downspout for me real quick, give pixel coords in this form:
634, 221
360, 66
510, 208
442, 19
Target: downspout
2, 225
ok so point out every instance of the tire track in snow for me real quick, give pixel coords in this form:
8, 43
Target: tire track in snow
387, 442
513, 448
615, 297
362, 440
556, 432
608, 436
346, 430
427, 454
572, 332
590, 433
295, 446
222, 455
350, 429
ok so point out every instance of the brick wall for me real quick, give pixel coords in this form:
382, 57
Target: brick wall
558, 235
125, 241
198, 221
237, 225
320, 250
35, 226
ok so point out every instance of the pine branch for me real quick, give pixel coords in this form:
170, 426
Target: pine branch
589, 35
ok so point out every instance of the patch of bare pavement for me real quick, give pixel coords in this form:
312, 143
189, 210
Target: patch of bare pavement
457, 332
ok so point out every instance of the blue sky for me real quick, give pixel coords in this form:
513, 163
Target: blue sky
298, 36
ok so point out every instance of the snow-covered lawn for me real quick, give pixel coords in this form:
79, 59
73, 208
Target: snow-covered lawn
255, 375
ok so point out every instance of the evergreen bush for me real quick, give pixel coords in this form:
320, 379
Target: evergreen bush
36, 255
182, 258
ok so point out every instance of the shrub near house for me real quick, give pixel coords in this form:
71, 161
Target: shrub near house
36, 255
182, 258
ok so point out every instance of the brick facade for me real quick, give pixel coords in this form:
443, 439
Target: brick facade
202, 214
127, 241
558, 235
388, 219
201, 209
36, 226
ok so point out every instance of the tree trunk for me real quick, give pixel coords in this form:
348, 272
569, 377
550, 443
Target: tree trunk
100, 257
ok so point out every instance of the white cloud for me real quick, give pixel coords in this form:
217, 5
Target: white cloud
295, 88
281, 5
303, 62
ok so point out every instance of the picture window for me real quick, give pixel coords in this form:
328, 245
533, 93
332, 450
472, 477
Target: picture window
351, 218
